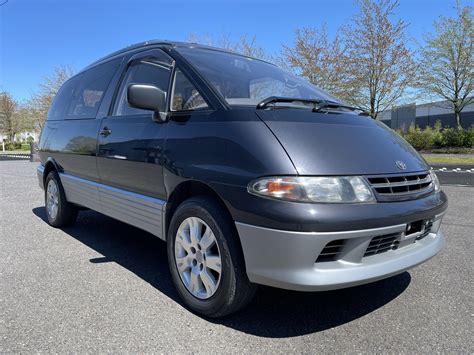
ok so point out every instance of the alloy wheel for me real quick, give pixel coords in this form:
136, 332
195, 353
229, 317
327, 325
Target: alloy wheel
198, 258
52, 199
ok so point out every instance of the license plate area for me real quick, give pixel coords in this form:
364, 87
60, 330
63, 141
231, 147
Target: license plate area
414, 230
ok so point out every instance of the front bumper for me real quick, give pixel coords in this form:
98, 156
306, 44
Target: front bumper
287, 259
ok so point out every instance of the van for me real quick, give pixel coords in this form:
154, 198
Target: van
251, 175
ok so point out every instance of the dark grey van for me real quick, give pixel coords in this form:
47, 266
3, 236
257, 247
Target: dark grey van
250, 174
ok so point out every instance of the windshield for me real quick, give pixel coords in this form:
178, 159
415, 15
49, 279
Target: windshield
247, 81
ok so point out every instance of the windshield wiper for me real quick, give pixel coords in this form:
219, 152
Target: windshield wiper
274, 99
318, 105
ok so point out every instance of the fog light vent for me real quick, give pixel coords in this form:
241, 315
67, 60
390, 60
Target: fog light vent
331, 251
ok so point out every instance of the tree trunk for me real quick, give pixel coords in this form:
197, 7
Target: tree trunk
458, 118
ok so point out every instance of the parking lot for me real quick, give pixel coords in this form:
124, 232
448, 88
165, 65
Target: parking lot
104, 286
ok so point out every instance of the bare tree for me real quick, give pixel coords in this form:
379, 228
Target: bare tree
244, 45
323, 62
41, 100
446, 63
9, 124
379, 57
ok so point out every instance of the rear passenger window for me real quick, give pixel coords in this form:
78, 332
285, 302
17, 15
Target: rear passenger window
89, 89
147, 71
61, 101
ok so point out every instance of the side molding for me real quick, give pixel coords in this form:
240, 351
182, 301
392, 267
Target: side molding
135, 209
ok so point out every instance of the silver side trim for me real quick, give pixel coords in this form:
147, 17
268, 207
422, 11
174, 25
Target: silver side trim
40, 173
135, 209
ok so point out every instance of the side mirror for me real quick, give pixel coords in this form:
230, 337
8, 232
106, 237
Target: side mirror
147, 97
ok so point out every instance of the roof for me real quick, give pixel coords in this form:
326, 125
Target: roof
155, 42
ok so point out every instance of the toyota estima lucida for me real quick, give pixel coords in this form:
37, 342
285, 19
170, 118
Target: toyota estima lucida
250, 174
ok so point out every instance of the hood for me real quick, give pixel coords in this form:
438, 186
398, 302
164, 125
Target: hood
340, 143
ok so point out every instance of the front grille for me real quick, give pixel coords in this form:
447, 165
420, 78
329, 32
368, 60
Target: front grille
331, 251
401, 184
382, 244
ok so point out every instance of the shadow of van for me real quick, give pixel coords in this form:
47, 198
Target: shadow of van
274, 313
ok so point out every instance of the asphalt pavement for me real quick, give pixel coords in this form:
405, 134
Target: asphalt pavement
104, 286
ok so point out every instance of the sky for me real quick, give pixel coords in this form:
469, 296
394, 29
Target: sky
37, 35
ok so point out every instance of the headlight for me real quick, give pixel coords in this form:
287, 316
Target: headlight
343, 189
435, 180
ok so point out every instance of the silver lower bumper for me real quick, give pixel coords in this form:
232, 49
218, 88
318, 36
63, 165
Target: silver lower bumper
287, 259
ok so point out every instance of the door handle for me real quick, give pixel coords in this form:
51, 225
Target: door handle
105, 132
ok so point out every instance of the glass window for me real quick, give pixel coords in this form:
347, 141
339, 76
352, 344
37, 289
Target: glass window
61, 100
185, 95
246, 81
148, 72
88, 90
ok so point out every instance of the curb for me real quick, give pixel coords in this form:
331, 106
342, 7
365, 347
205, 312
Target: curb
453, 169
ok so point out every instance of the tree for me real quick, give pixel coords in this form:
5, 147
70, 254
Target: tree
367, 63
379, 58
323, 62
446, 62
39, 103
243, 45
9, 124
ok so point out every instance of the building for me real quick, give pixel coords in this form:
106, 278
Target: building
426, 115
23, 136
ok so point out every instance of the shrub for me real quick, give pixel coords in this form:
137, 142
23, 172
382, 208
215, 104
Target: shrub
468, 140
437, 135
12, 145
419, 138
453, 137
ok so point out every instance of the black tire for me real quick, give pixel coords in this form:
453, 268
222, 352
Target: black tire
66, 212
234, 290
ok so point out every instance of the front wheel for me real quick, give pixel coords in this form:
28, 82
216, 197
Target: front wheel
206, 260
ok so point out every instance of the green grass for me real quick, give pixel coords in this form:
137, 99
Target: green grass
432, 159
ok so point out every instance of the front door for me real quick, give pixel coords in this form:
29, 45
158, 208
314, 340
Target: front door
130, 142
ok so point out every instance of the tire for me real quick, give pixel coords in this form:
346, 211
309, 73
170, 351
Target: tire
59, 212
207, 291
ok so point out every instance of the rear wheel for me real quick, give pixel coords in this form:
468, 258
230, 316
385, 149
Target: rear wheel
206, 260
59, 212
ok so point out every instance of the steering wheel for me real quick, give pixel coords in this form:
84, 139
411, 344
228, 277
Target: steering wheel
193, 101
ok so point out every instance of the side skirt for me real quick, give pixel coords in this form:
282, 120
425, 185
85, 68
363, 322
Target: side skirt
138, 210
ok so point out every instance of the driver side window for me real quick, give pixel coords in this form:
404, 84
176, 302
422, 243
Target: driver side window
145, 72
185, 95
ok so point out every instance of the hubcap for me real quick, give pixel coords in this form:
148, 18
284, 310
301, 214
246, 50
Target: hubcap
197, 257
52, 199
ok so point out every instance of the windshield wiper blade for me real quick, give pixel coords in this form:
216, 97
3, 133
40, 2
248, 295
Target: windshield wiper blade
324, 104
274, 99
318, 105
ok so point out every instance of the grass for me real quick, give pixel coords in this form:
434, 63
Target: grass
450, 159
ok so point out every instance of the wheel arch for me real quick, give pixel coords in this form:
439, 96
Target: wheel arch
186, 190
49, 166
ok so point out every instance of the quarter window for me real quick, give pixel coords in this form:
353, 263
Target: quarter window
185, 95
61, 100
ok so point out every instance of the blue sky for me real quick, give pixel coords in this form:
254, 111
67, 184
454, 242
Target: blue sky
37, 35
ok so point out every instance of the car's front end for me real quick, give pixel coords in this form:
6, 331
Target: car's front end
336, 245
358, 203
